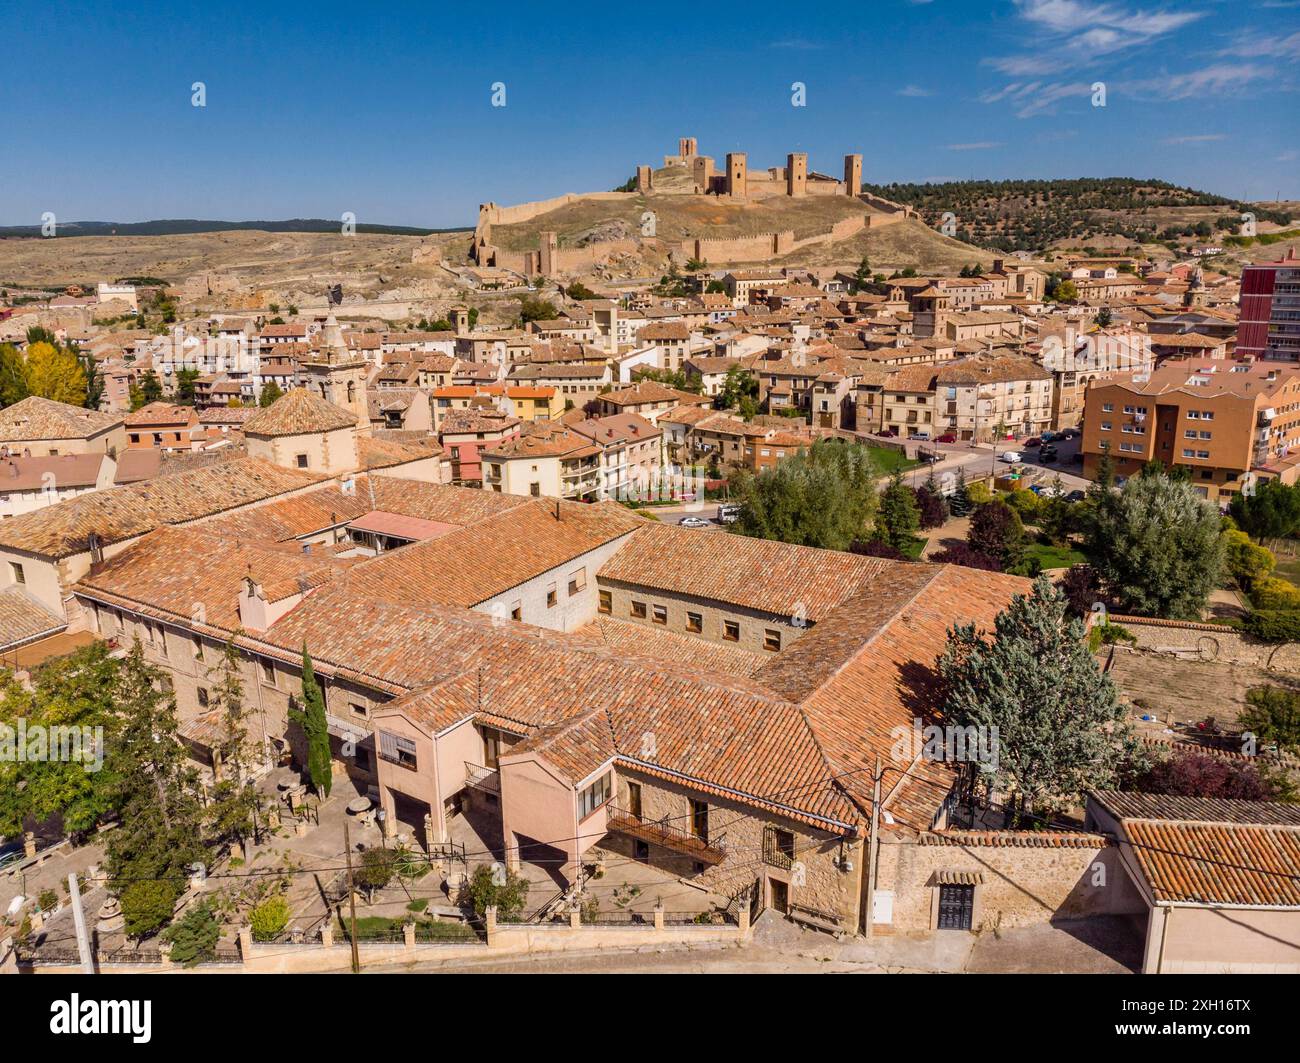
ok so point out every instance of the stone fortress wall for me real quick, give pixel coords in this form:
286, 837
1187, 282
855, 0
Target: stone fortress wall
735, 181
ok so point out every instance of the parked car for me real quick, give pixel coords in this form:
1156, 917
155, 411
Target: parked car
10, 853
1033, 441
890, 432
1070, 433
694, 522
1075, 496
1048, 453
923, 436
947, 437
1010, 457
1047, 437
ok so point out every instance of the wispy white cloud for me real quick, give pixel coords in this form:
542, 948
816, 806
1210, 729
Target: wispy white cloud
914, 90
1259, 46
1218, 79
1196, 138
978, 145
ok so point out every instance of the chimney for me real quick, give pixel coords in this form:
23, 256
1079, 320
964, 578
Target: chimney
557, 510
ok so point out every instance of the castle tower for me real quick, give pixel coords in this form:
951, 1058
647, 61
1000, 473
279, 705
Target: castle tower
338, 375
459, 318
686, 148
644, 178
549, 244
703, 168
796, 174
737, 174
853, 175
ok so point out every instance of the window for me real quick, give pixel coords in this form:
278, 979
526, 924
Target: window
1189, 453
198, 648
694, 622
535, 490
700, 820
301, 459
1105, 426
731, 630
638, 610
517, 613
660, 614
397, 750
606, 602
19, 575
203, 697
551, 596
268, 672
593, 796
357, 710
1107, 407
577, 581
771, 639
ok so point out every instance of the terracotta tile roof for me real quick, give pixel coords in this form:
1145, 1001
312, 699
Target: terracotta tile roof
37, 418
754, 573
1217, 863
375, 453
978, 370
651, 391
64, 471
160, 413
472, 421
298, 412
623, 636
470, 566
543, 441
23, 619
125, 512
1126, 804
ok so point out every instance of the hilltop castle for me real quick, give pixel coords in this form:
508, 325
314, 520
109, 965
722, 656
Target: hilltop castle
736, 182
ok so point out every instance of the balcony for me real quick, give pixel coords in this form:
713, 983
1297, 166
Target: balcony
668, 833
480, 777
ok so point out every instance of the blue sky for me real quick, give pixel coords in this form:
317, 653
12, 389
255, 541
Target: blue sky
316, 109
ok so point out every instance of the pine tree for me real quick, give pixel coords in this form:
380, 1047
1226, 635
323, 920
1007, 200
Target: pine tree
159, 836
311, 718
1060, 726
897, 517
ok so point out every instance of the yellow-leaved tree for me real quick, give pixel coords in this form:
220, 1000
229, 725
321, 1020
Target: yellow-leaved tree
54, 373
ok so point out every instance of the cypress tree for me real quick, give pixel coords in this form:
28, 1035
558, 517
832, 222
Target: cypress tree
311, 718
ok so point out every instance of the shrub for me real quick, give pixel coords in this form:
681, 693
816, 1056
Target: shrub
1246, 563
194, 937
269, 918
47, 900
148, 905
875, 548
1025, 503
493, 887
966, 555
377, 869
978, 493
1271, 593
1274, 625
1199, 775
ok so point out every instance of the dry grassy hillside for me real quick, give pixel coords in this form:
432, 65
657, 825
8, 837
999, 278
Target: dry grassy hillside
677, 218
272, 258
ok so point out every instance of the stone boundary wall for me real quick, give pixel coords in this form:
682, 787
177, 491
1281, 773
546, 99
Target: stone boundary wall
505, 940
1209, 642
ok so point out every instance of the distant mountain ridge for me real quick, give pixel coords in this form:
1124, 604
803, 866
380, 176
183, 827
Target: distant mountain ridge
183, 226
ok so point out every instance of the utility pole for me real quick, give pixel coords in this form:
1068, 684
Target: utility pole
352, 900
79, 920
869, 902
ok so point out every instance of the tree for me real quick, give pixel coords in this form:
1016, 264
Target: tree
1156, 547
376, 871
185, 381
823, 497
76, 691
1081, 588
311, 718
1065, 292
1053, 717
1245, 562
1201, 775
159, 836
270, 392
269, 918
55, 373
897, 516
1271, 511
534, 309
578, 290
1104, 317
233, 811
13, 375
931, 506
997, 532
1272, 715
499, 888
194, 936
967, 556
149, 389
